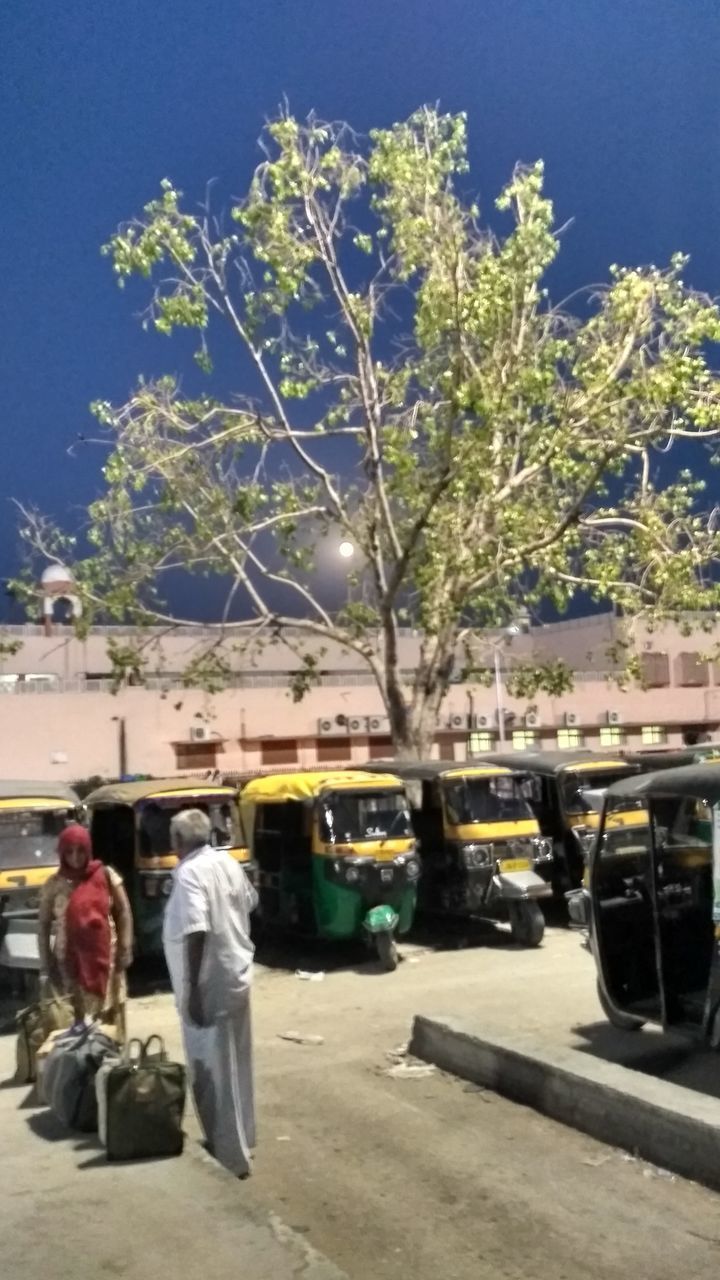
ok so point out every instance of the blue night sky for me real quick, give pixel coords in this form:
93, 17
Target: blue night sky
100, 101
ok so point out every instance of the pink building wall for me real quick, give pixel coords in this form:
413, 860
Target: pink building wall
74, 735
73, 732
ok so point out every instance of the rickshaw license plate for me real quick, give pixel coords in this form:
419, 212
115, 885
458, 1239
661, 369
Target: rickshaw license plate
514, 864
387, 875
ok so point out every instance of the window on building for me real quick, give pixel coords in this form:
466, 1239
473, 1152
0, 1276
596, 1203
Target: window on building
196, 755
481, 741
279, 751
569, 738
612, 735
380, 748
524, 739
654, 670
691, 670
333, 750
653, 735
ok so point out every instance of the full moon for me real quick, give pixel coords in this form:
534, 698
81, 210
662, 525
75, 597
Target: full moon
346, 549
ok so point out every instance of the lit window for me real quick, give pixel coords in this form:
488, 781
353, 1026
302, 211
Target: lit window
481, 741
524, 739
653, 735
611, 735
569, 738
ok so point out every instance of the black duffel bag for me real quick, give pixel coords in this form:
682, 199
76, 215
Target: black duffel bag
141, 1101
69, 1075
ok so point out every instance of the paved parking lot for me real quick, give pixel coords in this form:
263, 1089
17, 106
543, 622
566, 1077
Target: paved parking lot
391, 1176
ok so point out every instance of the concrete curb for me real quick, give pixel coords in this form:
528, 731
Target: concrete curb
669, 1126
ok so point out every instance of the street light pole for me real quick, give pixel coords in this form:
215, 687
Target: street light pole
499, 699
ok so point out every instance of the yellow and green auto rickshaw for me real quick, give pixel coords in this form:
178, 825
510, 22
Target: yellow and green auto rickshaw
32, 815
566, 796
654, 899
130, 828
336, 855
480, 843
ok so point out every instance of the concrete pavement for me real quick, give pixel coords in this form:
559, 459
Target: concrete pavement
66, 1214
429, 1177
387, 1177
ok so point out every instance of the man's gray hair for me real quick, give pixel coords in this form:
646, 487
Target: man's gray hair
190, 829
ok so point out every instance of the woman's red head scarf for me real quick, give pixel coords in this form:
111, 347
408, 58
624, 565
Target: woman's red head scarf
75, 837
87, 914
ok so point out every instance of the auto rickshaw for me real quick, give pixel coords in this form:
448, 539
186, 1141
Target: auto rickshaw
650, 760
566, 798
32, 815
130, 828
480, 843
654, 898
336, 855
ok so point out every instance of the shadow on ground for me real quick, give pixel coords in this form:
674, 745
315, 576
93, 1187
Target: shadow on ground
667, 1057
288, 954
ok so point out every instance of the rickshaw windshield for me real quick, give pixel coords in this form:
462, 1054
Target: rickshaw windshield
470, 800
350, 816
621, 836
582, 792
684, 820
29, 838
156, 815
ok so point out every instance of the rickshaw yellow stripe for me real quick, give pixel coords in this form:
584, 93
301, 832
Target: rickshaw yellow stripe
25, 878
378, 850
493, 830
24, 803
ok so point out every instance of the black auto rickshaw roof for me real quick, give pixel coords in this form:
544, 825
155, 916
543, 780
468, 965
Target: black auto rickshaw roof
675, 757
699, 780
551, 763
428, 770
115, 794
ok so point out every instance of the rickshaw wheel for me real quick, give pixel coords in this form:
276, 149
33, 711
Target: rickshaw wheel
527, 923
621, 1021
387, 951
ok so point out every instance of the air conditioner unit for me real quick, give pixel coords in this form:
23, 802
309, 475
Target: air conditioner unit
357, 724
378, 724
484, 720
614, 717
198, 732
327, 727
457, 721
572, 719
532, 720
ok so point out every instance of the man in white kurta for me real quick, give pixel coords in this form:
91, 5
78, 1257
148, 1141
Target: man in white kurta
210, 958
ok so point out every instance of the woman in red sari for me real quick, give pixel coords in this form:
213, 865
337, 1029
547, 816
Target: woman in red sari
86, 932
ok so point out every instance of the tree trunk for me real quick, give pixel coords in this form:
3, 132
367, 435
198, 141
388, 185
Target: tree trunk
412, 727
414, 720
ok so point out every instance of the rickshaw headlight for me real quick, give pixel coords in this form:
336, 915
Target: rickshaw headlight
412, 867
352, 875
542, 848
166, 887
478, 855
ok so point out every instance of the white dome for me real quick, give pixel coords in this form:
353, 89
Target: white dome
56, 575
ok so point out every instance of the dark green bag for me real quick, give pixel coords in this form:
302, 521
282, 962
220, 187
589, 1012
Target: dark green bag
141, 1102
